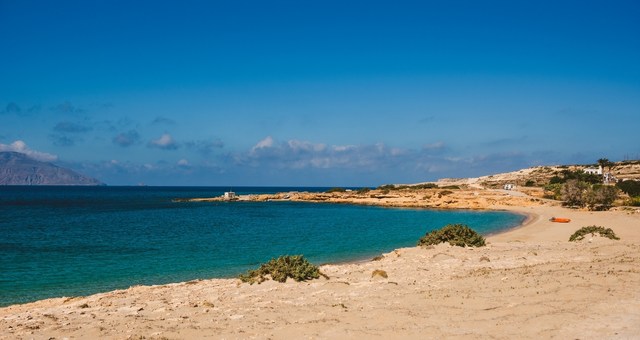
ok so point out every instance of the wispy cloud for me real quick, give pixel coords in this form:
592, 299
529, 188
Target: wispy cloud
165, 142
205, 147
297, 154
12, 108
70, 127
21, 147
128, 138
507, 141
66, 108
427, 120
15, 109
66, 133
62, 140
163, 120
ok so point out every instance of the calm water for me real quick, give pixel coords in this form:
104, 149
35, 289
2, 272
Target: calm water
69, 241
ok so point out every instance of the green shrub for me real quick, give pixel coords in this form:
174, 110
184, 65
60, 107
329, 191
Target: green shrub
445, 193
453, 187
579, 175
425, 186
293, 266
556, 180
553, 191
634, 201
574, 192
529, 183
601, 197
595, 196
604, 232
456, 234
387, 187
363, 190
629, 187
336, 190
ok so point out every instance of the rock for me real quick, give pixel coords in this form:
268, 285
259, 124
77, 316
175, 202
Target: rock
379, 272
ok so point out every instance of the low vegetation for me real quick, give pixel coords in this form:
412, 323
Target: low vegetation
445, 193
408, 187
633, 201
629, 187
579, 175
582, 194
290, 266
336, 190
602, 231
456, 234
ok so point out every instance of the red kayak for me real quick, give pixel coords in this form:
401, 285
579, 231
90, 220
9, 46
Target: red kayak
560, 220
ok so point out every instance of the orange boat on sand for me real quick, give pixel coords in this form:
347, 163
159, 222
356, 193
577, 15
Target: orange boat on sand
560, 219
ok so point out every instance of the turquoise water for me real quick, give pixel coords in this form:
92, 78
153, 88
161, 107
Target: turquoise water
69, 241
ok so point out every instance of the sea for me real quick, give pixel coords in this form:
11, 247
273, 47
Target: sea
75, 241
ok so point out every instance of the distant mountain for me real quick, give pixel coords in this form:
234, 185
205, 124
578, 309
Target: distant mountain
18, 169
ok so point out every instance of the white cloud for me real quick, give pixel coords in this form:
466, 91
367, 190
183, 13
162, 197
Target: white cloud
263, 144
126, 138
183, 162
297, 154
21, 147
164, 142
434, 146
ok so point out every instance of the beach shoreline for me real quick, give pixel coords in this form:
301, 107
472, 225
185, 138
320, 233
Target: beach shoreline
528, 282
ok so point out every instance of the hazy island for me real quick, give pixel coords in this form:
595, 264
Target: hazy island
19, 169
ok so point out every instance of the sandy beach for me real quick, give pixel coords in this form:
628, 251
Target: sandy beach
529, 282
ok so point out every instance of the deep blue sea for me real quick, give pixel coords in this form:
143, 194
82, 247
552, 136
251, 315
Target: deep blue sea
70, 241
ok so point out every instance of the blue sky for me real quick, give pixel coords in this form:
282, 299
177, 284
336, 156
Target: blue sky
348, 93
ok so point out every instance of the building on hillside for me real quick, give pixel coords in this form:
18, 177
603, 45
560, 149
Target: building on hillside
509, 186
593, 171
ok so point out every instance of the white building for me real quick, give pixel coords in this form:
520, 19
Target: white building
229, 195
593, 171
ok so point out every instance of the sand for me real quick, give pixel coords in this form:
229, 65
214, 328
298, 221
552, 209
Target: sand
529, 282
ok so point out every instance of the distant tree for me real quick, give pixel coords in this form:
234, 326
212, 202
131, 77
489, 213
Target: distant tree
601, 197
630, 187
605, 164
556, 180
553, 191
577, 193
573, 192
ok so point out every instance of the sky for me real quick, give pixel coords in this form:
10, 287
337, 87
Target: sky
317, 93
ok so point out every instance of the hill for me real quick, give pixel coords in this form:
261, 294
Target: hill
540, 175
18, 169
